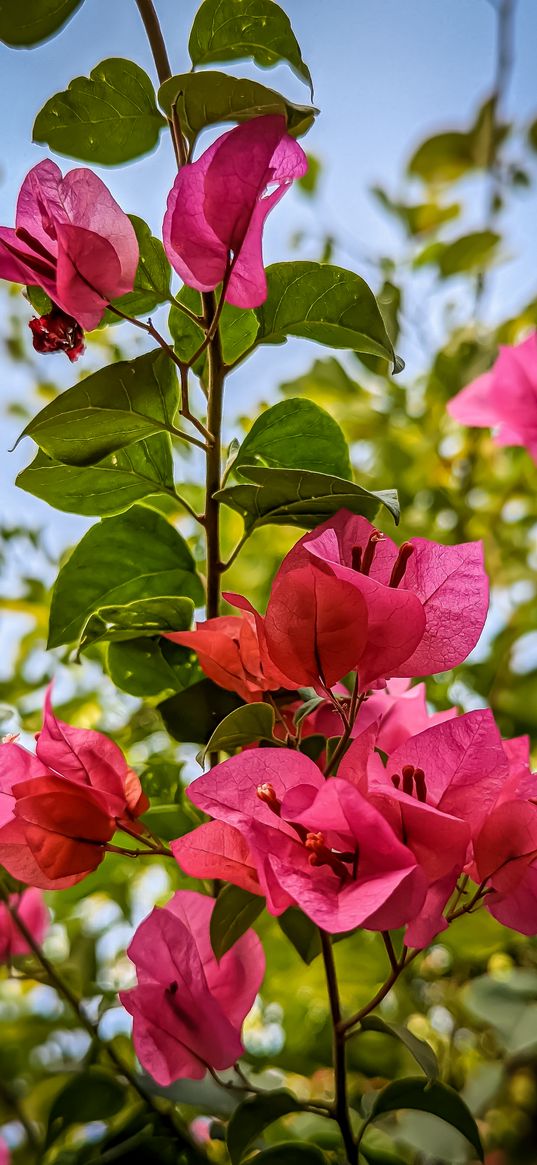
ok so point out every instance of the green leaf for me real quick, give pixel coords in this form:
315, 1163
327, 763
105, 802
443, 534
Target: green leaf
295, 497
170, 821
193, 715
439, 1099
227, 30
250, 722
290, 1153
107, 118
133, 556
141, 617
301, 932
148, 667
234, 912
419, 1049
210, 98
238, 330
152, 279
110, 486
469, 253
445, 157
296, 434
418, 219
252, 1116
34, 20
324, 303
89, 1096
118, 405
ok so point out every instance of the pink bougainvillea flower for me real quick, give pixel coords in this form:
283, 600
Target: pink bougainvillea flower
506, 857
316, 843
59, 808
426, 603
232, 651
71, 239
218, 205
188, 1009
504, 399
5, 1157
217, 850
31, 907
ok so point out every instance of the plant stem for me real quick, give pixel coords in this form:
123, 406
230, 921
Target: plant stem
9, 1097
64, 990
341, 1106
213, 455
152, 27
355, 704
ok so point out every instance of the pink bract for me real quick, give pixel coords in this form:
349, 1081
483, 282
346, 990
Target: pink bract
71, 239
426, 603
504, 399
30, 905
316, 843
188, 1009
218, 205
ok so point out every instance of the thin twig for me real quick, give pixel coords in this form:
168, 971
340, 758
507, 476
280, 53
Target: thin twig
341, 1105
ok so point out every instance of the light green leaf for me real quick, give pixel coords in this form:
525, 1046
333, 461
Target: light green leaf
234, 912
445, 157
134, 556
210, 98
107, 118
146, 616
227, 30
324, 303
428, 1096
152, 280
252, 1116
296, 434
295, 497
110, 486
121, 403
34, 20
246, 724
419, 1049
469, 253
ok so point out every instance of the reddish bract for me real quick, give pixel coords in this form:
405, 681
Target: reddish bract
504, 399
232, 651
30, 906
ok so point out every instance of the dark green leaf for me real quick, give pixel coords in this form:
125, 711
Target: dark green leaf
302, 933
238, 330
291, 1153
149, 667
193, 715
33, 21
152, 280
110, 486
210, 97
439, 1099
324, 303
234, 912
226, 30
170, 821
252, 1116
122, 403
419, 1049
250, 722
90, 1096
295, 497
107, 118
296, 434
148, 616
133, 556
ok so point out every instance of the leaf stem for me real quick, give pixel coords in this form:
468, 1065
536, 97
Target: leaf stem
357, 700
341, 1105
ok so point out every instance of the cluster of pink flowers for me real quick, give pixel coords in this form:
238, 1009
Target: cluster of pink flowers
73, 241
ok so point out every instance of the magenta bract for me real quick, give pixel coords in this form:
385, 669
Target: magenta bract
504, 399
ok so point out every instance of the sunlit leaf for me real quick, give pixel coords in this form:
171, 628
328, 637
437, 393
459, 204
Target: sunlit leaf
296, 434
294, 497
210, 97
227, 30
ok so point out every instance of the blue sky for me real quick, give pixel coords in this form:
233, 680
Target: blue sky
386, 73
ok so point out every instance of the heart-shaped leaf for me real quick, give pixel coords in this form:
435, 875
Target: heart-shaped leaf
296, 434
210, 98
227, 30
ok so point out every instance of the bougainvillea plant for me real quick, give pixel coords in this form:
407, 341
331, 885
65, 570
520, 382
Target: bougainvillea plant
328, 797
